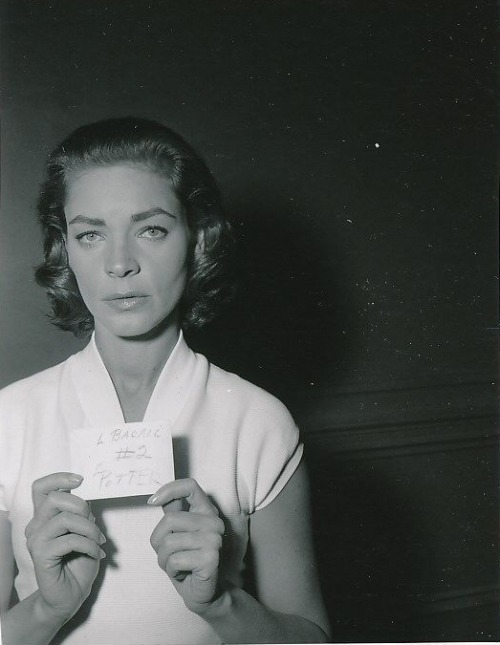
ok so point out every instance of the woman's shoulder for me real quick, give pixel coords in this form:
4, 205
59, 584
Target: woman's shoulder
268, 440
239, 394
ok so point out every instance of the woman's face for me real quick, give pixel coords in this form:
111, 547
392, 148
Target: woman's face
127, 246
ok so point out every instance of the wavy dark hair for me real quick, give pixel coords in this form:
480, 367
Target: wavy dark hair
150, 144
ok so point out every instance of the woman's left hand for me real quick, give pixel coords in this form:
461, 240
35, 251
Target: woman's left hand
188, 542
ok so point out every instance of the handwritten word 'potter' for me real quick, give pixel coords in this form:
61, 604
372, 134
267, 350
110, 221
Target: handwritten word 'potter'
143, 477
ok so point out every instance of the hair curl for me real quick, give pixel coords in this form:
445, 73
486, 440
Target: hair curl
150, 144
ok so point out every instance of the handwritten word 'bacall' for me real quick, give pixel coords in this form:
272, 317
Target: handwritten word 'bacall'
136, 433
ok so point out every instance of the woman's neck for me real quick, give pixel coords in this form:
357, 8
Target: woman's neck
134, 366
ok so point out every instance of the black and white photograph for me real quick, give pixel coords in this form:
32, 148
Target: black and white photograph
249, 322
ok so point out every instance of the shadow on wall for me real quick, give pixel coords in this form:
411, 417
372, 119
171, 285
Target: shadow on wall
364, 535
283, 330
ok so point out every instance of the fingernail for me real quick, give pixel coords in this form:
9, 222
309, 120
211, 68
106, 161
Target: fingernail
102, 554
75, 479
102, 539
153, 499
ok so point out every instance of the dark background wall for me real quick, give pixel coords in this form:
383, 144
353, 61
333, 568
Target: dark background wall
355, 146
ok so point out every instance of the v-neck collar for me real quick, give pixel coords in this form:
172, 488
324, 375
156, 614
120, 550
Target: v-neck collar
98, 398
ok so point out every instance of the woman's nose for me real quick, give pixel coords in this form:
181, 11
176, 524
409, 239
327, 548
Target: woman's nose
120, 261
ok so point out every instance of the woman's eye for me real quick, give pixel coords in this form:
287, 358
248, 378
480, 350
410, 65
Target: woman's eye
89, 237
154, 232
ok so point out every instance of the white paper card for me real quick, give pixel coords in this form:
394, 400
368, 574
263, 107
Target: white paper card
122, 460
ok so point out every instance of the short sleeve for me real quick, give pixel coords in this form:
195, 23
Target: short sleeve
269, 452
12, 403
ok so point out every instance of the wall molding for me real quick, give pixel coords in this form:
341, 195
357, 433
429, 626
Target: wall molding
401, 422
333, 409
423, 604
407, 440
459, 599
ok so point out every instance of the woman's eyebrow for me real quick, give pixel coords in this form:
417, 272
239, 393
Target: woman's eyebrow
140, 217
136, 217
83, 219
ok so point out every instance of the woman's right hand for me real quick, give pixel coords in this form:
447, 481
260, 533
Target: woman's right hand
64, 543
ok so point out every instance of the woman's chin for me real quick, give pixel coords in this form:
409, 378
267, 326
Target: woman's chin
140, 330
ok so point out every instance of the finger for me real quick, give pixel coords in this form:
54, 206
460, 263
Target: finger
65, 522
201, 562
174, 542
55, 481
57, 501
187, 489
185, 521
73, 543
173, 506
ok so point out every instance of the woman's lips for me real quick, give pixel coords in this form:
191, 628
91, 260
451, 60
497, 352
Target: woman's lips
126, 302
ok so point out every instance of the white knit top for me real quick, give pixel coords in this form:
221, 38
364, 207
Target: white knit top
235, 439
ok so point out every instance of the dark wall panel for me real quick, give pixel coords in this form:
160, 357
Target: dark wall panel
353, 142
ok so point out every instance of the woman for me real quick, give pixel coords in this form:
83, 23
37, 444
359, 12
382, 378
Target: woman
134, 246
